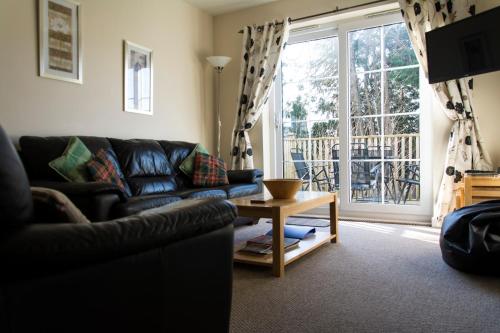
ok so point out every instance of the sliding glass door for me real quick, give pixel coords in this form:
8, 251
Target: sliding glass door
349, 117
384, 116
310, 85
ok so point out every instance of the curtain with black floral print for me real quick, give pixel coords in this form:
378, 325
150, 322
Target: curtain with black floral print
465, 150
262, 48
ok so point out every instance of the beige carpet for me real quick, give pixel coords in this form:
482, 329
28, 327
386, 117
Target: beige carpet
379, 278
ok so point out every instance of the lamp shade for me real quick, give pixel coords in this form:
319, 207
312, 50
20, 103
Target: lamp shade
218, 61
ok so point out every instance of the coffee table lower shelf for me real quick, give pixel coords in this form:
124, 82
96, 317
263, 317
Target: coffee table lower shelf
305, 246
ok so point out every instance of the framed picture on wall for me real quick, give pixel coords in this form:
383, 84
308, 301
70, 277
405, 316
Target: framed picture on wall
60, 40
138, 78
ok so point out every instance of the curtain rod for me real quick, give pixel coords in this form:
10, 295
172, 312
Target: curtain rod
335, 11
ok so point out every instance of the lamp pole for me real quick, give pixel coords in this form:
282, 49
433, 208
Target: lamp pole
218, 62
218, 69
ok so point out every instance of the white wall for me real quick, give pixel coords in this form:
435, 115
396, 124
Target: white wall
180, 36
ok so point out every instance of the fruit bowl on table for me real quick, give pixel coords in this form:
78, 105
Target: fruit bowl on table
283, 188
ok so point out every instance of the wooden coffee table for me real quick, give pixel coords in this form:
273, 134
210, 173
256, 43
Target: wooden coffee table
279, 210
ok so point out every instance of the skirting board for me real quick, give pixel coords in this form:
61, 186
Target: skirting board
365, 219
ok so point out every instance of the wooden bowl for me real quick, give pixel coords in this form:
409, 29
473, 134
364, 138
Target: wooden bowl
283, 188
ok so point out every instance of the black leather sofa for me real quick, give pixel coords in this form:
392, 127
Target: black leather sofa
149, 168
167, 269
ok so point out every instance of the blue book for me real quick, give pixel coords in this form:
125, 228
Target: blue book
298, 232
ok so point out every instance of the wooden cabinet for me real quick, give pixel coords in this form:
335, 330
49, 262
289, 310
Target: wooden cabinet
475, 188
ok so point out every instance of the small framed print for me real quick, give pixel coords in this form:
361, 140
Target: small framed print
138, 78
60, 40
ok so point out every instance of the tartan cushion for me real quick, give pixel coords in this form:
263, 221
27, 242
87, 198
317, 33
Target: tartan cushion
102, 170
209, 171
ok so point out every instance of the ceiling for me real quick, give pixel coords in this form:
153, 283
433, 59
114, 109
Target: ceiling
216, 7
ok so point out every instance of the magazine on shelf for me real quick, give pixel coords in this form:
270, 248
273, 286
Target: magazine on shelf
295, 231
264, 244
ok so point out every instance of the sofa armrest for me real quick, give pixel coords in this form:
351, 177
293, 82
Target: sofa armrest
41, 249
81, 189
95, 200
244, 176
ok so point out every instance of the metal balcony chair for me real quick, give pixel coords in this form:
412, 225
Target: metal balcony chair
411, 181
317, 174
363, 180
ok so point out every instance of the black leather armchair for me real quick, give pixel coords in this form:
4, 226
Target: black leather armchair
168, 269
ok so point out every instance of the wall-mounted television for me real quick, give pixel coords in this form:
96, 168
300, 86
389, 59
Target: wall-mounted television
467, 47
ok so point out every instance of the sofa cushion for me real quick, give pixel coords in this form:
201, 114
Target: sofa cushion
140, 158
72, 164
145, 165
152, 185
36, 153
16, 203
176, 151
240, 190
195, 193
244, 176
138, 204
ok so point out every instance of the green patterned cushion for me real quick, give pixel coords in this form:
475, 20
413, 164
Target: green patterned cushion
72, 165
187, 166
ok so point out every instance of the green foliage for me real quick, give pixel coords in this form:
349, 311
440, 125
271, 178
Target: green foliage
325, 129
318, 96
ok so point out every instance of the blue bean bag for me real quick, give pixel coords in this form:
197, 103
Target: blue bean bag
470, 238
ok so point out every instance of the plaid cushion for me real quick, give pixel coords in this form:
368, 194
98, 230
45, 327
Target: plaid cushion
102, 170
209, 171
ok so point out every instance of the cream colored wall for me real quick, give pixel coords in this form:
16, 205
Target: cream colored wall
180, 36
228, 42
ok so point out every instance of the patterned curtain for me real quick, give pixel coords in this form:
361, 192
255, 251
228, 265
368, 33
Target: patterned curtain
262, 47
465, 150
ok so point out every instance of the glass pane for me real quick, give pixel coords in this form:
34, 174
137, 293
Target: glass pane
294, 65
362, 128
403, 93
365, 94
327, 131
402, 182
398, 50
323, 57
365, 182
364, 49
295, 130
323, 101
409, 124
296, 101
402, 146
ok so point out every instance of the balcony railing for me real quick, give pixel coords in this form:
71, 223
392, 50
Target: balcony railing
404, 151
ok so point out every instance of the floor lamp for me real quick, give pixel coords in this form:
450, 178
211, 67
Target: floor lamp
218, 62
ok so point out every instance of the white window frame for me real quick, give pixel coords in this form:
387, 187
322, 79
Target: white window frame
415, 213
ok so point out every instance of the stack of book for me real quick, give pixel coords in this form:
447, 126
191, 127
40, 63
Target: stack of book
263, 245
